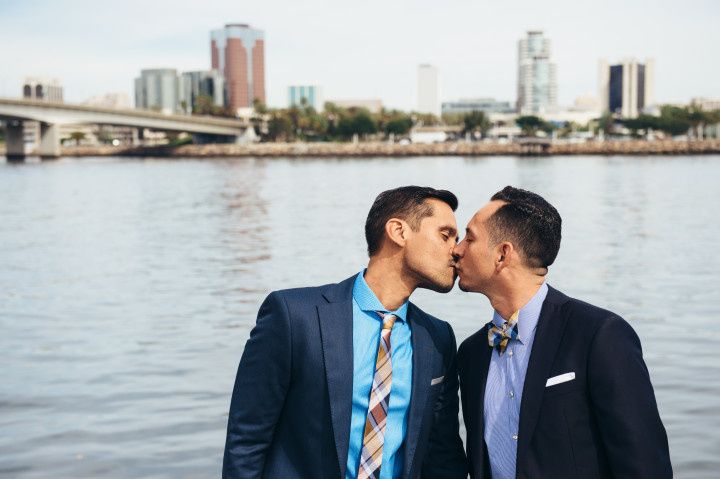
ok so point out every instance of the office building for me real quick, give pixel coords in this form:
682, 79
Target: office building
238, 52
537, 76
311, 94
43, 89
207, 83
158, 90
428, 90
626, 88
468, 105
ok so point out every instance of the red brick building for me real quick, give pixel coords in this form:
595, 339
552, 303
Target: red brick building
238, 51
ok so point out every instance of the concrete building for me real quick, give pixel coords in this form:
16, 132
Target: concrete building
238, 52
39, 89
210, 83
109, 100
428, 90
312, 95
43, 89
537, 75
626, 88
468, 105
707, 104
158, 90
372, 105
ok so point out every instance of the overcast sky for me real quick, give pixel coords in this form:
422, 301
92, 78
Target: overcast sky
367, 49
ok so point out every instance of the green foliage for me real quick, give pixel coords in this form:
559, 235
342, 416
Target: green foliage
204, 105
531, 124
476, 121
77, 136
280, 128
358, 122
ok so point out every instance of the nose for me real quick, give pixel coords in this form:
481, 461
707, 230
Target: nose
458, 250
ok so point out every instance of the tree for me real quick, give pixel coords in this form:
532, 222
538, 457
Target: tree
398, 126
674, 120
359, 123
530, 124
280, 127
476, 121
77, 136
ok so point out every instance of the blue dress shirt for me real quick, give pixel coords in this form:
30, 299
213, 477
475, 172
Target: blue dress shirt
504, 388
366, 340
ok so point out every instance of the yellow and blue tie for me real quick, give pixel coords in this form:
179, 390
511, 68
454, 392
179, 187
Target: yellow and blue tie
499, 337
374, 436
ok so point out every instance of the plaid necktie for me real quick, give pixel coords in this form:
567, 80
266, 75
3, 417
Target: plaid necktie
374, 436
499, 337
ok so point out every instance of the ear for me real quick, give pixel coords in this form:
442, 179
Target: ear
503, 254
397, 230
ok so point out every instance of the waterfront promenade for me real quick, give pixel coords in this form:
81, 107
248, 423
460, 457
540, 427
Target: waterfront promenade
382, 149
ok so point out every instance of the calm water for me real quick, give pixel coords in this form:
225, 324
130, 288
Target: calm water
128, 288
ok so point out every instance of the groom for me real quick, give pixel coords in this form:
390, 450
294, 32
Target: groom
351, 380
552, 387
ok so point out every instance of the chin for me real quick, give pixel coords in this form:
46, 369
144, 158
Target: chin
465, 287
439, 286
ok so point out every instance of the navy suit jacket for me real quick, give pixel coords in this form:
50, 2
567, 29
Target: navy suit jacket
602, 424
291, 406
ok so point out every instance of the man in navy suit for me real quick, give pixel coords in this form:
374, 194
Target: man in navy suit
552, 387
351, 379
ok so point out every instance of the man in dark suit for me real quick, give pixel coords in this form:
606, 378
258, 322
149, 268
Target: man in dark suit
352, 380
552, 387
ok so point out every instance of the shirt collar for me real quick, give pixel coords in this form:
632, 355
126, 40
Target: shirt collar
367, 301
529, 314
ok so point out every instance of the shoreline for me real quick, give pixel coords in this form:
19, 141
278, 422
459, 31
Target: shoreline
381, 149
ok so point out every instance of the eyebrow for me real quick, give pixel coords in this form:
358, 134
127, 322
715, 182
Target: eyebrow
450, 229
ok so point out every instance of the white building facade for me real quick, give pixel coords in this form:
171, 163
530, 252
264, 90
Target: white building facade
428, 90
537, 76
626, 88
159, 90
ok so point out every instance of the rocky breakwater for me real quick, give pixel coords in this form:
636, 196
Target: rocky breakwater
366, 149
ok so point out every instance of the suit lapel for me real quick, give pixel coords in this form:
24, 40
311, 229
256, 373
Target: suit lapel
337, 343
422, 362
484, 356
550, 328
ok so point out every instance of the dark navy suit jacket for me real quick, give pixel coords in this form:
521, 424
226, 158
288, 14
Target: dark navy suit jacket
291, 406
602, 424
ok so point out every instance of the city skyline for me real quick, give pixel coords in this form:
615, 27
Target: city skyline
473, 46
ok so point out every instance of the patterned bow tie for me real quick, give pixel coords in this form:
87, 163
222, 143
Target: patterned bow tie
499, 337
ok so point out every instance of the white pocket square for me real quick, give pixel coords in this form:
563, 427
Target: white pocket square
563, 378
437, 381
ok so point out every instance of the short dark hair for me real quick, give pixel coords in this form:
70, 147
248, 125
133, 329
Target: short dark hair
528, 221
407, 203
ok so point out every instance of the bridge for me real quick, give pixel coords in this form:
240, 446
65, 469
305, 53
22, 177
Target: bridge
51, 115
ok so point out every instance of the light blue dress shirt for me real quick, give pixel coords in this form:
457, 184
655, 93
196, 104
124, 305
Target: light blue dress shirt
504, 388
366, 340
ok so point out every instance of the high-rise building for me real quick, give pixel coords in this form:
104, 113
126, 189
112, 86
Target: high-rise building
626, 88
537, 75
310, 93
158, 89
238, 51
193, 85
428, 90
43, 89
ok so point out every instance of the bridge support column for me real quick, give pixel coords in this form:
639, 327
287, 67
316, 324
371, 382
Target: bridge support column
49, 147
14, 140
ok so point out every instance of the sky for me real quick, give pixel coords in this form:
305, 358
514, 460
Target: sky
360, 50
